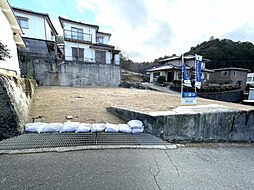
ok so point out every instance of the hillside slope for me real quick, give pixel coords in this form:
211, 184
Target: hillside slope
226, 53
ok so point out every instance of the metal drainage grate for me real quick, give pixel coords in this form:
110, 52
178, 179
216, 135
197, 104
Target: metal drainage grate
50, 140
128, 139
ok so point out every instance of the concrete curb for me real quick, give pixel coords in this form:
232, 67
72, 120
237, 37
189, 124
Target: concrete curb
78, 148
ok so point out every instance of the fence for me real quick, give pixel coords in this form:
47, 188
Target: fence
91, 60
77, 36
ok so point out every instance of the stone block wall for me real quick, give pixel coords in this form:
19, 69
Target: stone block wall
15, 97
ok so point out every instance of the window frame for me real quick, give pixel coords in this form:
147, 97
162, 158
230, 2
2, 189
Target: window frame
98, 39
225, 73
77, 37
102, 58
79, 56
23, 19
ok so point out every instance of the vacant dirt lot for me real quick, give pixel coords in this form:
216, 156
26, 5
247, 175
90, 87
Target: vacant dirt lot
54, 103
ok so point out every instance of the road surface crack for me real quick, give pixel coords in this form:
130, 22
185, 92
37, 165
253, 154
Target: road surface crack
156, 174
171, 161
35, 186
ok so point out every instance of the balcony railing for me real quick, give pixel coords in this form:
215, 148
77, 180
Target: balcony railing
75, 36
91, 60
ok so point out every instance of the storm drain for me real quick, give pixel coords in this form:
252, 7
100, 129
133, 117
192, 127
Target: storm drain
50, 140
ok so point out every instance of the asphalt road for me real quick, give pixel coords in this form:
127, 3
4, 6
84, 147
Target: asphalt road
182, 168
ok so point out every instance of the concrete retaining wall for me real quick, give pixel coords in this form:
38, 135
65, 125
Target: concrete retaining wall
196, 123
15, 96
68, 73
235, 96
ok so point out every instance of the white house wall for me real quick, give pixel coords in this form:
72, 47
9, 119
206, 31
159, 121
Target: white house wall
108, 57
36, 27
49, 32
117, 59
86, 29
105, 38
6, 38
88, 52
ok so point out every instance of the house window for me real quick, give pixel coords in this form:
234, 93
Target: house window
235, 72
100, 56
78, 54
155, 75
76, 33
224, 73
23, 22
99, 40
249, 79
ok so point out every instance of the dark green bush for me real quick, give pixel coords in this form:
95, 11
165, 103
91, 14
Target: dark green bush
176, 82
161, 79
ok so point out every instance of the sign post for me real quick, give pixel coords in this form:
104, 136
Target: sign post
191, 97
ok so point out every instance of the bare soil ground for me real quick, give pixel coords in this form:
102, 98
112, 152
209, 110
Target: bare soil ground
55, 103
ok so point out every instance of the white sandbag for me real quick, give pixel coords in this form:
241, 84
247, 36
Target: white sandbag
141, 130
52, 127
69, 126
135, 124
111, 128
83, 128
35, 127
124, 128
98, 127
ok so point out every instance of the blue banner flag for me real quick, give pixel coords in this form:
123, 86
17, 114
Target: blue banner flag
186, 77
198, 62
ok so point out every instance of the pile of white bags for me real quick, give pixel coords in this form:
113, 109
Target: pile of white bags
124, 128
83, 128
136, 126
111, 128
35, 127
69, 126
52, 127
98, 127
133, 126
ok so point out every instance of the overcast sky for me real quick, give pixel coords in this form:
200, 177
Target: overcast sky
148, 29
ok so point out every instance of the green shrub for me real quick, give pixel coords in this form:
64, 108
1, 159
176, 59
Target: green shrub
4, 52
176, 82
29, 76
161, 79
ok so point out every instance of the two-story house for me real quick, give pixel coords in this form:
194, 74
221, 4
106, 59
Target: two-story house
231, 75
171, 68
38, 33
11, 38
85, 43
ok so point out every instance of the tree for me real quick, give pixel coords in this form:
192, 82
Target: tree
226, 53
4, 52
